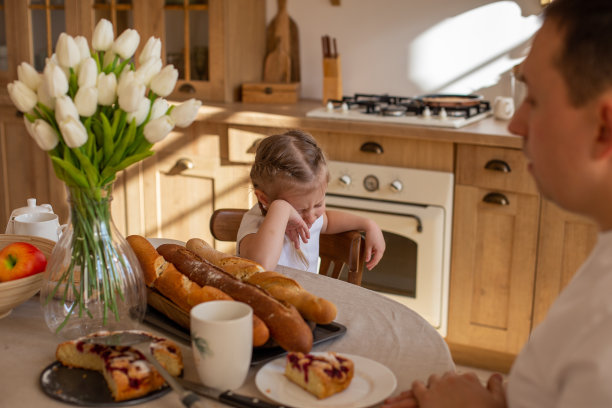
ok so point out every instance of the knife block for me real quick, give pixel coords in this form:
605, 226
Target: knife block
332, 79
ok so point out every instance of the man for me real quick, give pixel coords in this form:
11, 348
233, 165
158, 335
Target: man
566, 123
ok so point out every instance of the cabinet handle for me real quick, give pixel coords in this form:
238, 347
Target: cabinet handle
253, 148
180, 166
498, 165
496, 198
371, 147
187, 88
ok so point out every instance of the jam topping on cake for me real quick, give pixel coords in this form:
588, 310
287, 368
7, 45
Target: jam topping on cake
321, 375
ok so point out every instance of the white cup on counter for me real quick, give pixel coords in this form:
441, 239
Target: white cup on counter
222, 342
503, 107
40, 224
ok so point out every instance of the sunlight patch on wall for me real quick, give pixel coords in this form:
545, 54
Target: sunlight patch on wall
471, 50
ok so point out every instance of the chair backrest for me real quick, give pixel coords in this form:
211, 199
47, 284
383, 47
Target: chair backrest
335, 250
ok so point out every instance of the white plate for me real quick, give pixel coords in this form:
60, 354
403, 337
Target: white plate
372, 383
160, 241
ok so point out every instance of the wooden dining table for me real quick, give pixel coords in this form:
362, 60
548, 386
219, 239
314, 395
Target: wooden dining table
377, 328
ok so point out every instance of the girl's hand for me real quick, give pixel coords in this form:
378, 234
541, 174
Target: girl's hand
404, 400
374, 245
296, 228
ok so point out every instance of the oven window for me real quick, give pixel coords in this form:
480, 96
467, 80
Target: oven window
396, 271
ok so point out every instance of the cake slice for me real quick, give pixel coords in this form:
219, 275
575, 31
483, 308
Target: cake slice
126, 371
321, 375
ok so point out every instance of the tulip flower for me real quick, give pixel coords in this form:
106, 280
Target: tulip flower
73, 132
28, 75
125, 45
44, 97
86, 101
103, 36
81, 42
157, 129
64, 108
159, 108
185, 113
141, 113
88, 73
43, 134
163, 83
152, 49
127, 76
148, 70
22, 96
107, 89
130, 96
56, 80
67, 50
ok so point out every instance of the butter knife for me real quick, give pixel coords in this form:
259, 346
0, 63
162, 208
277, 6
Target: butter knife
227, 397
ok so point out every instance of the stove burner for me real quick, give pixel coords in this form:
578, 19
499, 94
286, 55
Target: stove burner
388, 105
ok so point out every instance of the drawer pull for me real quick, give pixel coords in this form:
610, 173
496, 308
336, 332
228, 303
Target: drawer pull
498, 165
371, 147
496, 198
187, 88
180, 166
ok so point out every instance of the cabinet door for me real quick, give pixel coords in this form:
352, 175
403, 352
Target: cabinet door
565, 242
492, 270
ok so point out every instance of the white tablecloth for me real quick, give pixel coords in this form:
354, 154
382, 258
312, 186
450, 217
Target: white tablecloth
377, 328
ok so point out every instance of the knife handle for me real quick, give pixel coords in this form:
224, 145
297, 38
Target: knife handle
240, 401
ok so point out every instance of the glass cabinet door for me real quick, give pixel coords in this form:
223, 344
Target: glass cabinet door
48, 22
187, 39
3, 49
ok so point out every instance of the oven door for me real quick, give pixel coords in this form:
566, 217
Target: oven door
412, 268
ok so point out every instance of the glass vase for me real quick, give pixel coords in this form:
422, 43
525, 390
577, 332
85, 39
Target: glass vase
93, 279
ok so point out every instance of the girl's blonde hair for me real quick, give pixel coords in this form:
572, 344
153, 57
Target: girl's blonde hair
292, 157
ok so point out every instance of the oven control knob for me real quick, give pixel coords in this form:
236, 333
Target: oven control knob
370, 183
345, 180
396, 186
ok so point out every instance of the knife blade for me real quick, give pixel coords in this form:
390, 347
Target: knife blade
227, 397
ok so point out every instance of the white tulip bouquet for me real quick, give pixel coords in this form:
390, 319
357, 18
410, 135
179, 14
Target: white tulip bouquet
96, 114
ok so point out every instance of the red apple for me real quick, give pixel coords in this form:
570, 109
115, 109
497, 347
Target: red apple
20, 259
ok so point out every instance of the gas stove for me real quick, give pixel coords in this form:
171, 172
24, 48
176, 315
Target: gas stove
439, 110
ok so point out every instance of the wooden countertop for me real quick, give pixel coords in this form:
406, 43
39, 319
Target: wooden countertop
488, 132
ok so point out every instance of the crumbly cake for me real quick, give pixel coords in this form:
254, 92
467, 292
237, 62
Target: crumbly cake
321, 375
125, 369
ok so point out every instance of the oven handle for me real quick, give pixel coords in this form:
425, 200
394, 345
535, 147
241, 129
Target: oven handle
415, 217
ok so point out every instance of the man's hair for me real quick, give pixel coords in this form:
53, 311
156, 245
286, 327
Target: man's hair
292, 157
585, 60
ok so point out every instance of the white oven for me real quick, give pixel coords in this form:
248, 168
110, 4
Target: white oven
414, 210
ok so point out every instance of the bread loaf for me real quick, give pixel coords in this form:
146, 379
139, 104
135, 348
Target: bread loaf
313, 308
181, 290
284, 321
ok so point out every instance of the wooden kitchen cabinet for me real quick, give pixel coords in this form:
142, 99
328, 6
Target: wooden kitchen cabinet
512, 254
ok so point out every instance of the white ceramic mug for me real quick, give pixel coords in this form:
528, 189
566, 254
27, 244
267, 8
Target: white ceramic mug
222, 342
503, 107
39, 224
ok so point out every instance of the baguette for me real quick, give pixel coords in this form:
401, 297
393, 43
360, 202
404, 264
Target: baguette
284, 321
181, 290
313, 308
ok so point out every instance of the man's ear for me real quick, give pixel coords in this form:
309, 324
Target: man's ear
603, 144
262, 198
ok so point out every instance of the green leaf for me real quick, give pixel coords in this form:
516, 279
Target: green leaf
72, 173
120, 149
109, 144
88, 168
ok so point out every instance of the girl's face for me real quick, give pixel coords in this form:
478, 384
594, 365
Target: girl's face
308, 201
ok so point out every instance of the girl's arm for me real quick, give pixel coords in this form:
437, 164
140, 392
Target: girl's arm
265, 246
339, 221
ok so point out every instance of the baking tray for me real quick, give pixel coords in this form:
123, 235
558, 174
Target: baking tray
321, 333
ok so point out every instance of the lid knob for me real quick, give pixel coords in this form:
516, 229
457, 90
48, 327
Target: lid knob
31, 202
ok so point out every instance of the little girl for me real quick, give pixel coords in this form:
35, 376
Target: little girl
290, 178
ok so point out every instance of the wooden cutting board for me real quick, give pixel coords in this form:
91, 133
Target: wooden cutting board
282, 62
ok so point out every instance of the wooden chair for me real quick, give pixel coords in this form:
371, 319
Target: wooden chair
335, 250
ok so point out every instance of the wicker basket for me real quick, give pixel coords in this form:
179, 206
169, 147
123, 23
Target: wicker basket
15, 292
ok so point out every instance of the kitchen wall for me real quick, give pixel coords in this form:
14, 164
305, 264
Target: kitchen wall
413, 47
